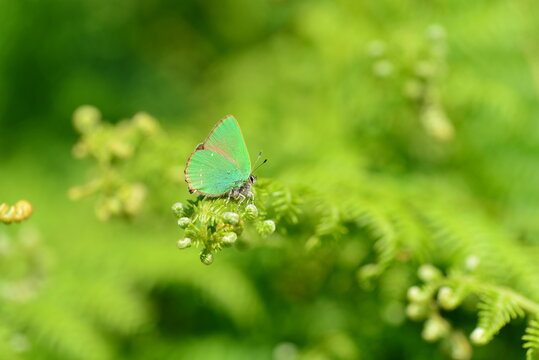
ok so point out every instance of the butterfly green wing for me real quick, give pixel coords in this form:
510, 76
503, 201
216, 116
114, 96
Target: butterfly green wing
221, 162
211, 174
226, 140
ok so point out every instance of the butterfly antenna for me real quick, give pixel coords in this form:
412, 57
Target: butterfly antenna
259, 165
257, 158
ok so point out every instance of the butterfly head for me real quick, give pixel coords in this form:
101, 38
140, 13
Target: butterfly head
251, 180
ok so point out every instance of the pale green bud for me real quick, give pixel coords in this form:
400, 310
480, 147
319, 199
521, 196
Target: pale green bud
416, 312
146, 123
436, 123
206, 257
251, 212
267, 227
460, 346
434, 329
231, 218
183, 222
230, 238
121, 149
184, 243
472, 262
478, 336
114, 205
86, 118
178, 209
447, 298
428, 273
415, 294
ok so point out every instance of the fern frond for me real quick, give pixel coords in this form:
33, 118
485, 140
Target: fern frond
532, 340
283, 203
453, 293
386, 243
412, 233
62, 332
496, 309
227, 289
329, 221
113, 305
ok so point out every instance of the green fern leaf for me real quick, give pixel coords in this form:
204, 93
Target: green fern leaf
532, 340
496, 309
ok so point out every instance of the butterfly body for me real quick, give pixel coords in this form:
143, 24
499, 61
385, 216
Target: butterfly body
244, 190
220, 166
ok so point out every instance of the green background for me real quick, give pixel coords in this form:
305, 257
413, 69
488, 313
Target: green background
442, 93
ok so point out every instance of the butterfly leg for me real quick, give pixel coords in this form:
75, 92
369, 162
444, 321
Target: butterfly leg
242, 199
228, 198
251, 195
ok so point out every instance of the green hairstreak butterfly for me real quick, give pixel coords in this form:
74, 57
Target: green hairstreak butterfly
220, 166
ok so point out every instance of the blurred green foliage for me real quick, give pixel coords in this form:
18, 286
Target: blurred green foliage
403, 139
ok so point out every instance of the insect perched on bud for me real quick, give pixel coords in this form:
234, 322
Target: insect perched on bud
220, 165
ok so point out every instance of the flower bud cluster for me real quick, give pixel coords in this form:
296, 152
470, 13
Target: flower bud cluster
425, 303
215, 224
114, 149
